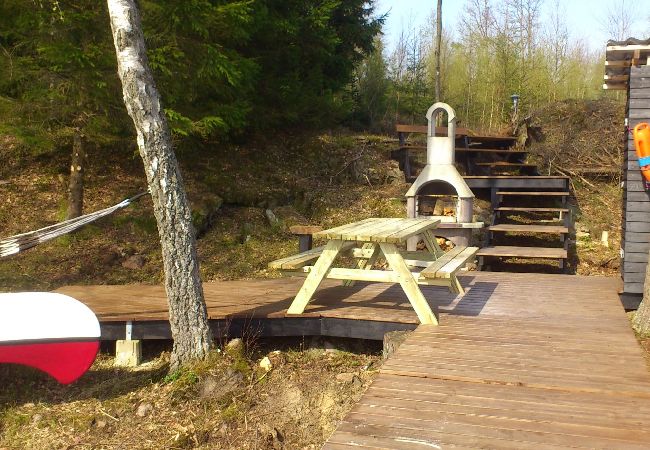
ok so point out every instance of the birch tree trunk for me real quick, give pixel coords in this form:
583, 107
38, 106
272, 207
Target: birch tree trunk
187, 311
437, 51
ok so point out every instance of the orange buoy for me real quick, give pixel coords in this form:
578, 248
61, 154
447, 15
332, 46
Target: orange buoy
642, 145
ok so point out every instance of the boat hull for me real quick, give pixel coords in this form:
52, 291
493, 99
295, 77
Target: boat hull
50, 332
65, 361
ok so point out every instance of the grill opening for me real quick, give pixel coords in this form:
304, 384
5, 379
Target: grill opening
437, 205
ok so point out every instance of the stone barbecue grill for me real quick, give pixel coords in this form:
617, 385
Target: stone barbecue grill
440, 178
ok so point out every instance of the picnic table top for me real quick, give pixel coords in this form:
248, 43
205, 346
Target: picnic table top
394, 231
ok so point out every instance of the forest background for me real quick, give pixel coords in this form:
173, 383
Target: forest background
228, 70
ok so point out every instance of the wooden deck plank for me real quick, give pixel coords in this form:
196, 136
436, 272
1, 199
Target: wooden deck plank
519, 228
523, 252
530, 209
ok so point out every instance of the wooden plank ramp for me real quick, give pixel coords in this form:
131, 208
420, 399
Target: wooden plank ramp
539, 367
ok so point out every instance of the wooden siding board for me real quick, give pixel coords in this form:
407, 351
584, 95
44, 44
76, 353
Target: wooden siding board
632, 122
634, 277
634, 175
636, 247
633, 287
640, 94
634, 267
633, 236
642, 114
634, 186
634, 216
639, 103
640, 257
636, 197
631, 206
640, 83
637, 227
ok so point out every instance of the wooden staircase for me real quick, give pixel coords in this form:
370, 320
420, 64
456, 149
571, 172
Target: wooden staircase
526, 222
526, 206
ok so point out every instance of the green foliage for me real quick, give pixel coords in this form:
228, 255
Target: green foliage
370, 89
495, 50
306, 53
222, 67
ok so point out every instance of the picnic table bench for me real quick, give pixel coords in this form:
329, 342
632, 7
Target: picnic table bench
366, 241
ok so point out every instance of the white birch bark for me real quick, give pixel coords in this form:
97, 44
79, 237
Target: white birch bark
187, 311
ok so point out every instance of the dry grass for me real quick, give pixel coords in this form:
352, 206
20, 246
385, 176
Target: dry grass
226, 402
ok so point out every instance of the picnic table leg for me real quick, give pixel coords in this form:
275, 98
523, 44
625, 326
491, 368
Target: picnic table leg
315, 276
409, 284
365, 263
432, 244
457, 287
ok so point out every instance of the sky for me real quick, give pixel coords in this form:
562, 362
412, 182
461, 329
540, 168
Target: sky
584, 17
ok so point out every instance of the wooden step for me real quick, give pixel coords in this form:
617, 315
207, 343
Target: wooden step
504, 164
518, 228
501, 151
506, 251
528, 209
536, 193
490, 150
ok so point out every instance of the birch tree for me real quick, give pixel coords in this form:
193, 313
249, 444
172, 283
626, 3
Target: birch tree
438, 96
187, 310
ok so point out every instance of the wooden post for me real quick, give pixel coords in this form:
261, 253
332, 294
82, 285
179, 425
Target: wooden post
409, 284
304, 233
315, 277
76, 182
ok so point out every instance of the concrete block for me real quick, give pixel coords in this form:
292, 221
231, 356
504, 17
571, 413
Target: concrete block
128, 353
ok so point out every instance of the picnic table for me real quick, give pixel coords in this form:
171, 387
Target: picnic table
379, 237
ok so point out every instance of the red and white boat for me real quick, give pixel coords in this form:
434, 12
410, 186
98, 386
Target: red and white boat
51, 332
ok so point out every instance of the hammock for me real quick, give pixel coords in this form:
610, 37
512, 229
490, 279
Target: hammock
21, 242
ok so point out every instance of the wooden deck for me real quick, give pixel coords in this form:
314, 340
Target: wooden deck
547, 363
366, 310
521, 361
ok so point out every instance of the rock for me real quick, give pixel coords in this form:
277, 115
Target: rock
208, 387
274, 221
345, 377
265, 364
235, 346
356, 382
581, 228
272, 435
110, 258
329, 347
394, 175
220, 386
36, 418
100, 423
144, 409
134, 262
392, 340
204, 213
245, 232
289, 216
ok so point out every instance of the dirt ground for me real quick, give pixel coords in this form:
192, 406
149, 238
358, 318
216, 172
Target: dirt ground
228, 402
